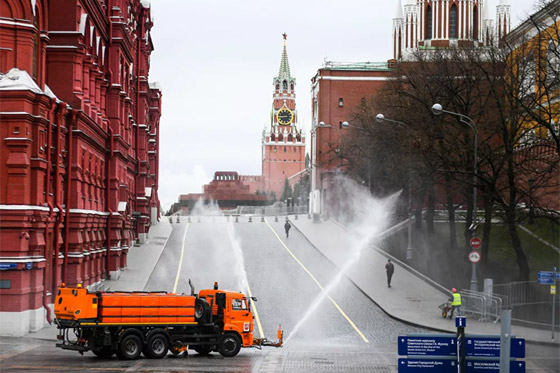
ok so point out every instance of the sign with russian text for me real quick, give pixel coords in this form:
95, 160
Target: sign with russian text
427, 365
490, 347
475, 366
428, 346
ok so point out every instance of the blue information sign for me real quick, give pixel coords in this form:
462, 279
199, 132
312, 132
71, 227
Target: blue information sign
547, 277
28, 265
490, 347
475, 366
5, 266
428, 346
460, 322
427, 365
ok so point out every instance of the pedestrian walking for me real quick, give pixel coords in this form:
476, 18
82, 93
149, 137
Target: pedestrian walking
287, 227
455, 303
390, 268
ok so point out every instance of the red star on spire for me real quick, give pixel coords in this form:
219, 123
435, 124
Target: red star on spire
285, 36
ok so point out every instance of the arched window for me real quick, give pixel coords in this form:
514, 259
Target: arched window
453, 22
292, 87
277, 85
428, 22
475, 23
284, 84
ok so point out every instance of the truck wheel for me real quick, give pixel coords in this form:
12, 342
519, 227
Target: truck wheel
157, 346
202, 310
231, 344
130, 347
104, 352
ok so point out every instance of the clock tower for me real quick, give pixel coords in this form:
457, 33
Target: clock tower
283, 144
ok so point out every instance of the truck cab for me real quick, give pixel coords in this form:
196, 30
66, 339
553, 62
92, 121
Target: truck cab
234, 310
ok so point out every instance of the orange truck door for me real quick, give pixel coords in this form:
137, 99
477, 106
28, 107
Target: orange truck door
240, 315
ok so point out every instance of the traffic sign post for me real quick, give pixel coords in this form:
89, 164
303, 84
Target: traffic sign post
549, 278
475, 243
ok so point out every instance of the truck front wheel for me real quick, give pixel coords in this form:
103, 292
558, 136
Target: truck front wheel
231, 344
157, 346
130, 348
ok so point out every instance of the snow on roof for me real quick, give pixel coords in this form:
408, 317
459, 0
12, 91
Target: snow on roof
17, 79
145, 3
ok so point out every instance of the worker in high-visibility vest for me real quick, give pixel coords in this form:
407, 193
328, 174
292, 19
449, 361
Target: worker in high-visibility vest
455, 303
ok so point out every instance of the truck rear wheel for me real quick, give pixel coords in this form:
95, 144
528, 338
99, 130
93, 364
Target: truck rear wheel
157, 346
231, 344
130, 348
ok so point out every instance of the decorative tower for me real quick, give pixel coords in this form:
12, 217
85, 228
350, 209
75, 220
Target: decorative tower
398, 32
283, 144
446, 23
503, 22
487, 36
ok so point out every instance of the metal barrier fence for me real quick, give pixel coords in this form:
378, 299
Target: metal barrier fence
485, 306
268, 210
522, 293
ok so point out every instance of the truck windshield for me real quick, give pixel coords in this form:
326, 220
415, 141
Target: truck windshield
239, 304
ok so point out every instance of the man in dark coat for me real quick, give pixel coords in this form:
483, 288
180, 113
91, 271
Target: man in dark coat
390, 268
287, 227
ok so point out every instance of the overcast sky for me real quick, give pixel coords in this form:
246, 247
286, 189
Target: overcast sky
215, 61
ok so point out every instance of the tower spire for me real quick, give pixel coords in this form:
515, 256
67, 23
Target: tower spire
284, 73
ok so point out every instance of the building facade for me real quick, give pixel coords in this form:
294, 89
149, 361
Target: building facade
428, 24
79, 154
337, 90
283, 143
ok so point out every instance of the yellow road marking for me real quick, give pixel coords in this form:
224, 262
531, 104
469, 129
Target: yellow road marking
181, 259
254, 309
319, 285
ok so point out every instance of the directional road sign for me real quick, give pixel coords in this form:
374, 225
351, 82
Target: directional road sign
429, 345
475, 366
427, 365
490, 347
547, 278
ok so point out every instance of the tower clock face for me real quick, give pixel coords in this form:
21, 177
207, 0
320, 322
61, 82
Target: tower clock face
284, 116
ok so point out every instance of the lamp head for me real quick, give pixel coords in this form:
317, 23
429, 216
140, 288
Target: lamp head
321, 124
380, 117
345, 125
437, 109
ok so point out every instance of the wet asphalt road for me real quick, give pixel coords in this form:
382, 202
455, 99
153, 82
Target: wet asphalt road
344, 333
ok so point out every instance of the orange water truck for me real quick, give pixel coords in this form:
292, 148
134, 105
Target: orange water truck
153, 323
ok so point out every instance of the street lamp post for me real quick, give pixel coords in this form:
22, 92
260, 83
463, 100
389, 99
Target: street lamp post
381, 118
315, 204
437, 109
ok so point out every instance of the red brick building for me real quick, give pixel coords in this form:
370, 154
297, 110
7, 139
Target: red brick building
444, 23
79, 150
337, 90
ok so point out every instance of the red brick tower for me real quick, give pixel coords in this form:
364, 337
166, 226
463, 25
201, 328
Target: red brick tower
283, 144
